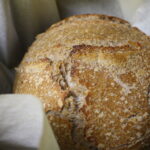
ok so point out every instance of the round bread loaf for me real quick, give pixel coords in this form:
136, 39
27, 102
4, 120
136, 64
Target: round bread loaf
92, 73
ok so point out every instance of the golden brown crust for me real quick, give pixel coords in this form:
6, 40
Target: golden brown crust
92, 73
89, 17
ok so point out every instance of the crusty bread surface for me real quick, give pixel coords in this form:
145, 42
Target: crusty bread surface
92, 74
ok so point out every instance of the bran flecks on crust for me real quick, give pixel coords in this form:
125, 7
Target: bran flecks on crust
92, 73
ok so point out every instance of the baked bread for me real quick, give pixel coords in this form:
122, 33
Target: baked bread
92, 73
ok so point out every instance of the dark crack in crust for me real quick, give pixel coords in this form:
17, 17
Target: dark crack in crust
148, 95
70, 110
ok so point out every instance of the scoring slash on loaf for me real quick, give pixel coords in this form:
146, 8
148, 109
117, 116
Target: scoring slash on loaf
92, 73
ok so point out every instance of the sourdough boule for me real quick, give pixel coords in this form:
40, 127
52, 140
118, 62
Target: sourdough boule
92, 74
